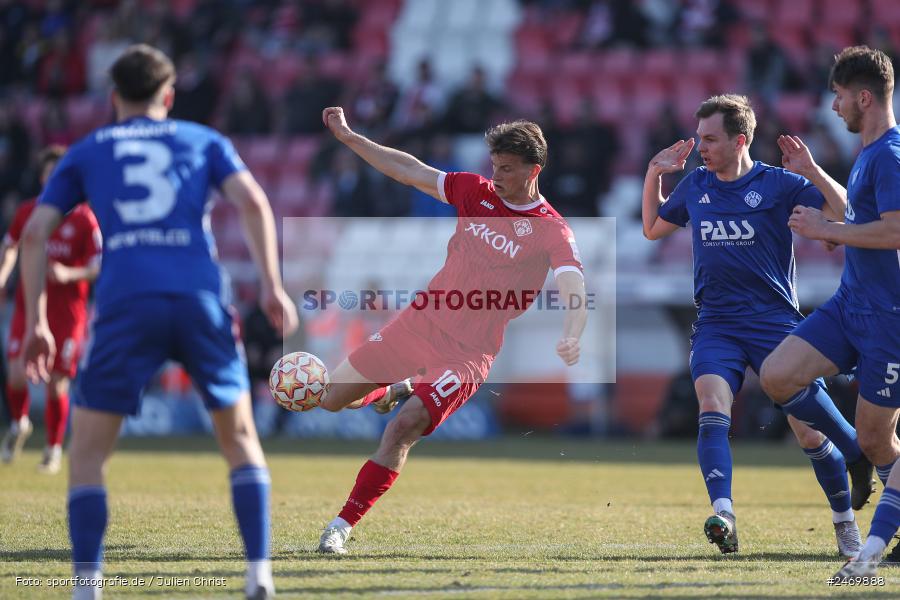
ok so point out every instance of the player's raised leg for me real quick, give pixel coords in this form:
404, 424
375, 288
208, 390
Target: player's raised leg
20, 427
378, 474
94, 435
250, 489
831, 473
790, 377
714, 456
350, 389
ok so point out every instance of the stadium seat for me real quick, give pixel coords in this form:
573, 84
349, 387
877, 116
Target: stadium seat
836, 36
662, 65
619, 62
840, 13
796, 13
754, 10
795, 110
299, 153
885, 12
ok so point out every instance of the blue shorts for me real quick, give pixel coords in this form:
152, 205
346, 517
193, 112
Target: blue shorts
130, 341
727, 346
869, 341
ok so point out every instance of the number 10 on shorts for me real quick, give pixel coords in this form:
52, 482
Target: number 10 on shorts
448, 383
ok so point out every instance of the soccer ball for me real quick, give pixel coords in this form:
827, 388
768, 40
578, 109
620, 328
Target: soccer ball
298, 381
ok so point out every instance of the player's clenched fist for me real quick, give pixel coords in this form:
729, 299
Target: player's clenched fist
568, 350
809, 222
334, 120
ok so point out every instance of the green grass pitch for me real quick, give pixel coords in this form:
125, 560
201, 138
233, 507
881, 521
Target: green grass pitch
516, 518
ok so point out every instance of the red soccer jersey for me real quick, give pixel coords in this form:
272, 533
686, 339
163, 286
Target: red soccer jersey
497, 261
75, 243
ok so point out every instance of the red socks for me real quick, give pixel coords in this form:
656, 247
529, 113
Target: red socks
371, 483
56, 414
374, 396
18, 402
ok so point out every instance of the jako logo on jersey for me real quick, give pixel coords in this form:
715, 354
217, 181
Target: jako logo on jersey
497, 241
752, 199
522, 227
487, 204
704, 199
710, 230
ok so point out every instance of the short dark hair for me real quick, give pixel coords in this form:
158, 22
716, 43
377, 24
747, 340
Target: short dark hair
522, 138
737, 114
865, 68
140, 72
50, 154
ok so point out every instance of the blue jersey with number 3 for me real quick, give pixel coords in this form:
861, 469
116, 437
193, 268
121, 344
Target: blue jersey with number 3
149, 182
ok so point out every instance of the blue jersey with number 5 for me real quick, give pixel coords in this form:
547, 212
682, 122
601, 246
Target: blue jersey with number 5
149, 182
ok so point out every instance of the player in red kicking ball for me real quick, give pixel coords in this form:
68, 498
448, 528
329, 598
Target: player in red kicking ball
441, 347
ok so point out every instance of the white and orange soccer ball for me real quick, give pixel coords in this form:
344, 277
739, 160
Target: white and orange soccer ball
298, 381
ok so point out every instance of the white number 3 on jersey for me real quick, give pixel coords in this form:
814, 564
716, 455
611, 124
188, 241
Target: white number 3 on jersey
151, 175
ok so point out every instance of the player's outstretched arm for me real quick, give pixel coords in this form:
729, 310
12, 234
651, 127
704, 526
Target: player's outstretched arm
881, 234
258, 223
571, 290
38, 348
669, 160
397, 165
796, 157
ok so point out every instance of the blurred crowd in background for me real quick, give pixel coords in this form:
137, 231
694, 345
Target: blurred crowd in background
609, 81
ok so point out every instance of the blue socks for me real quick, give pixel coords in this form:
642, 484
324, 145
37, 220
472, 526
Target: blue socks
887, 515
831, 472
814, 407
714, 454
250, 486
884, 471
87, 525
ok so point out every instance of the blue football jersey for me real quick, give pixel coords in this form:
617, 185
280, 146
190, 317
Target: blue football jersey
149, 182
743, 250
871, 279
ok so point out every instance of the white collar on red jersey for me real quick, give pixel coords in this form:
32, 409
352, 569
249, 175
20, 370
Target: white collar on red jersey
524, 207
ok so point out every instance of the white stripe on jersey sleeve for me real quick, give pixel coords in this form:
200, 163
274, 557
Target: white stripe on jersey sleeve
565, 268
440, 186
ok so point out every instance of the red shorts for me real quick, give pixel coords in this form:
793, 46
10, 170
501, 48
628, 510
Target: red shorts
444, 372
68, 335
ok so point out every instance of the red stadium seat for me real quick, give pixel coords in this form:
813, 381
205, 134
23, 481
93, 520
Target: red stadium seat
754, 10
261, 152
660, 63
794, 40
610, 101
840, 13
885, 12
618, 62
794, 13
299, 153
795, 110
838, 37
